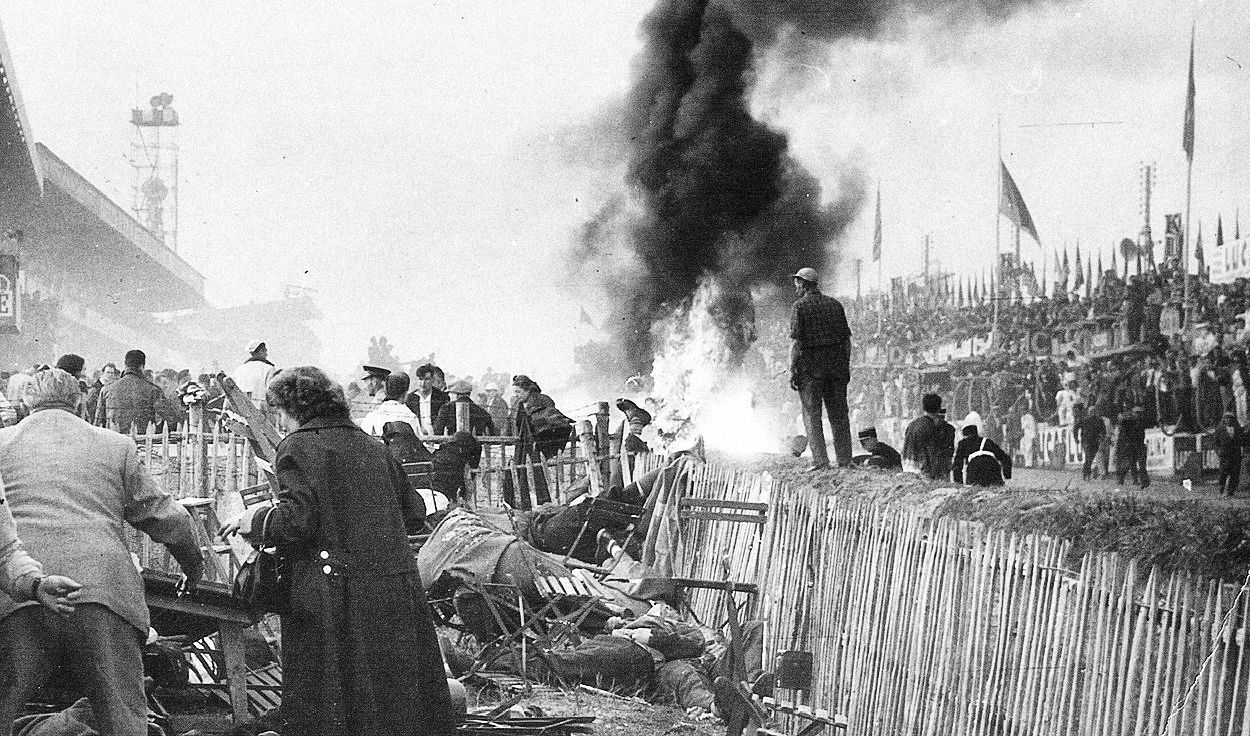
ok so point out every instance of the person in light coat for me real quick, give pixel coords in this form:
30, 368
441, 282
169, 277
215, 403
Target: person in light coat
72, 489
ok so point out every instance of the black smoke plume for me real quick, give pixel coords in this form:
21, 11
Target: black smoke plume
716, 198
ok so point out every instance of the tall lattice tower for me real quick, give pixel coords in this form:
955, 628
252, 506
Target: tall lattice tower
1145, 239
154, 156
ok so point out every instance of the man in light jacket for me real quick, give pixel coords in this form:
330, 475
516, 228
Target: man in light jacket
21, 576
72, 488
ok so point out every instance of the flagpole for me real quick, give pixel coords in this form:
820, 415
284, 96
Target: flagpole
1189, 175
998, 245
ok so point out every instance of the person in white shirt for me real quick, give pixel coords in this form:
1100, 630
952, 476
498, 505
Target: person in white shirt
392, 408
254, 375
1065, 400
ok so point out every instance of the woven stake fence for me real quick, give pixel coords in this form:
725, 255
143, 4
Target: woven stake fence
936, 626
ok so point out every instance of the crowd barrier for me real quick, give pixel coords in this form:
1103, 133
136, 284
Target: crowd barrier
1057, 447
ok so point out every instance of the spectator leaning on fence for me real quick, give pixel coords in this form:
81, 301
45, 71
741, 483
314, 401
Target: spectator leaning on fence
72, 489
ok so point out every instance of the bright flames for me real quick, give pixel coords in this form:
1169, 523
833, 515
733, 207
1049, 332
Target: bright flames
701, 392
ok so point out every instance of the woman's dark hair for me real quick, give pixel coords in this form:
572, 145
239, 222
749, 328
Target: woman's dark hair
526, 383
305, 392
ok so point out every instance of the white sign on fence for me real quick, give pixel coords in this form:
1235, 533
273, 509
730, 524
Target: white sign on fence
1231, 261
1057, 448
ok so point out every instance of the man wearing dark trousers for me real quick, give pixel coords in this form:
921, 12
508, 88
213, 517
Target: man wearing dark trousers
1089, 433
1229, 441
820, 367
1130, 447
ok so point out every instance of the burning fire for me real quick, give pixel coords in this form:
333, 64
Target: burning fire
701, 388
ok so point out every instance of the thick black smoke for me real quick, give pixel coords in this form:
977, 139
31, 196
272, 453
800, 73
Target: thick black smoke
716, 195
830, 20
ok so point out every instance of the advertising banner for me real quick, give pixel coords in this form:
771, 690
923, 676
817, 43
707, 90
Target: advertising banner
8, 294
1231, 262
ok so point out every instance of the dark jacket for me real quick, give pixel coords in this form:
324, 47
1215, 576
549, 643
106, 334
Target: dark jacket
945, 432
542, 427
480, 422
1228, 447
450, 459
885, 457
976, 474
437, 400
918, 443
1132, 434
1090, 431
359, 652
130, 400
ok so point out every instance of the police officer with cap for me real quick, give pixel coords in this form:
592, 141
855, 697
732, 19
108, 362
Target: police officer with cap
820, 367
374, 381
880, 455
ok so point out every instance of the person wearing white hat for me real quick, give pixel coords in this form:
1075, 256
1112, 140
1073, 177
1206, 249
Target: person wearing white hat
254, 375
820, 367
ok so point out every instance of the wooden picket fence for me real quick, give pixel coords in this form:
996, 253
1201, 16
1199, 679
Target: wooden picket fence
921, 625
937, 626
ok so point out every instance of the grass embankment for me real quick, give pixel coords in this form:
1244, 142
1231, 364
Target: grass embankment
1163, 525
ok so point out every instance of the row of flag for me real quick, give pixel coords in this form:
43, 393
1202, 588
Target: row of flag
1011, 202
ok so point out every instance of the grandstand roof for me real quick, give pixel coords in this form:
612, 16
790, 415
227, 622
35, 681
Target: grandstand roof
19, 165
75, 239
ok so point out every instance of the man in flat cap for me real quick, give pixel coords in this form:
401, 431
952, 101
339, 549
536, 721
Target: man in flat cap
880, 455
480, 422
820, 367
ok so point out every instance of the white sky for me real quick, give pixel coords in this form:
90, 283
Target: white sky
415, 158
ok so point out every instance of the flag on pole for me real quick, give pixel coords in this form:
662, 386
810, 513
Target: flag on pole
1187, 140
1198, 250
876, 231
1012, 206
585, 319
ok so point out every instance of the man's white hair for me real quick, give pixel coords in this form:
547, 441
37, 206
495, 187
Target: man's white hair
53, 389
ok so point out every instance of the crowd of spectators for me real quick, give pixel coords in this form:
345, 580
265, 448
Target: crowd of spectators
1123, 345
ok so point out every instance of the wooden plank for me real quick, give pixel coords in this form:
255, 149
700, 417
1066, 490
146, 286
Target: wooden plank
714, 516
717, 503
235, 669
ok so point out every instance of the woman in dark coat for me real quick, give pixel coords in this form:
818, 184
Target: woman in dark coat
542, 432
359, 652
